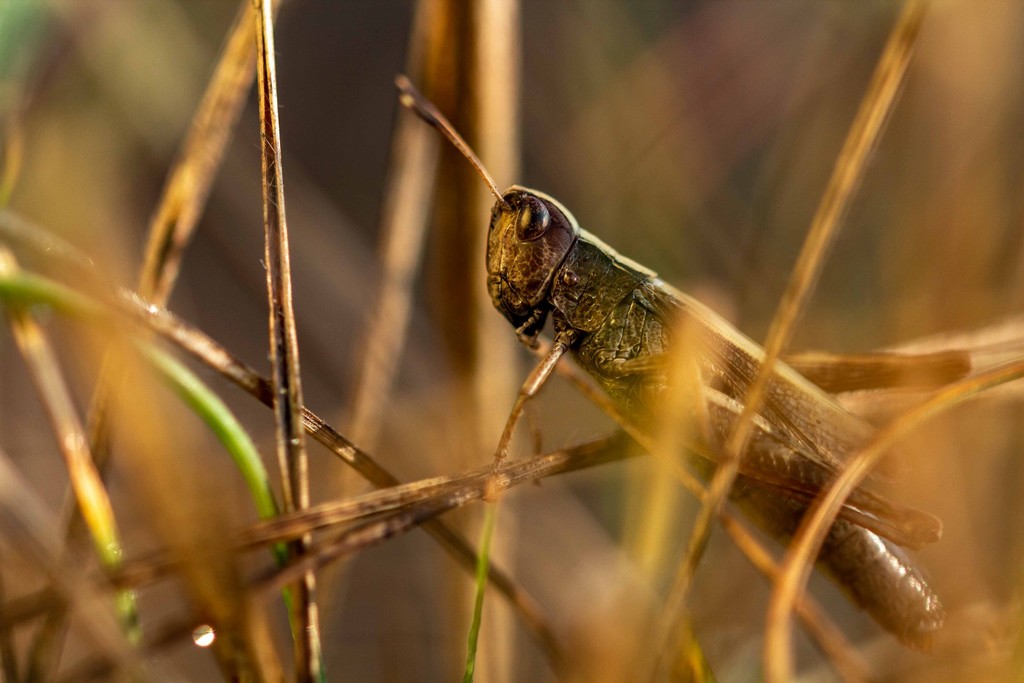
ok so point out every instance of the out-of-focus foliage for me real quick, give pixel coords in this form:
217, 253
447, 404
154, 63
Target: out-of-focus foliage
694, 137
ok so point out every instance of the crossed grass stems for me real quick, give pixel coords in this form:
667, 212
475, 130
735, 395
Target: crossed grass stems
357, 522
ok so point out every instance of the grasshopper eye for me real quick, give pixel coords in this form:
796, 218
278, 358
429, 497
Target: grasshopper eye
533, 220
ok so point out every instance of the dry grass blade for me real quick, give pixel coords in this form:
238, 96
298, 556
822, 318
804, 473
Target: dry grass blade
93, 500
412, 168
283, 341
209, 352
471, 486
841, 654
170, 230
28, 526
403, 226
847, 173
861, 140
471, 71
467, 487
20, 233
474, 486
359, 537
844, 658
807, 541
442, 497
216, 357
284, 345
189, 181
176, 492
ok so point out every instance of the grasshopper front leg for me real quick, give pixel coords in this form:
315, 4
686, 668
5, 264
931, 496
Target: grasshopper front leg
534, 381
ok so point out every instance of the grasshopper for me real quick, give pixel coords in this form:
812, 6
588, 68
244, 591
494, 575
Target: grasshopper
619, 321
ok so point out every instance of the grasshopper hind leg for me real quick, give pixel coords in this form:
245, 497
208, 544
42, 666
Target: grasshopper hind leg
874, 573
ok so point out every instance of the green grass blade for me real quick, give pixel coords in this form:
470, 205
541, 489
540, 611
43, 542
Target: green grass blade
486, 534
218, 417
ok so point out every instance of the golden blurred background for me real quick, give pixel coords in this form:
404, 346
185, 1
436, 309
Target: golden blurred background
695, 137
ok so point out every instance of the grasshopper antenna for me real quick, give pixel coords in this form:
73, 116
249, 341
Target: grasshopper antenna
411, 98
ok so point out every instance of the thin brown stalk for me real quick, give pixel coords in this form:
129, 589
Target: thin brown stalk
171, 228
471, 71
41, 362
846, 176
189, 181
832, 643
844, 658
848, 664
472, 483
403, 225
359, 537
18, 232
284, 346
441, 497
867, 127
283, 340
807, 541
28, 526
209, 352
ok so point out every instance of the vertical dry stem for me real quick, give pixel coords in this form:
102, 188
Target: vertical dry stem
284, 349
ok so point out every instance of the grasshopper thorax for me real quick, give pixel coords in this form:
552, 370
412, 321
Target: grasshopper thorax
529, 237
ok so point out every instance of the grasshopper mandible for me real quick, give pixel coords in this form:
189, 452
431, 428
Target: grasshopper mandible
618, 320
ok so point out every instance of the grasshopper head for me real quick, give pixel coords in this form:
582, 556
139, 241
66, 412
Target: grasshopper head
530, 235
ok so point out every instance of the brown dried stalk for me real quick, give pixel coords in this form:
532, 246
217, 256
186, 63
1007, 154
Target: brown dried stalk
807, 541
27, 525
284, 347
847, 173
209, 352
170, 231
843, 657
